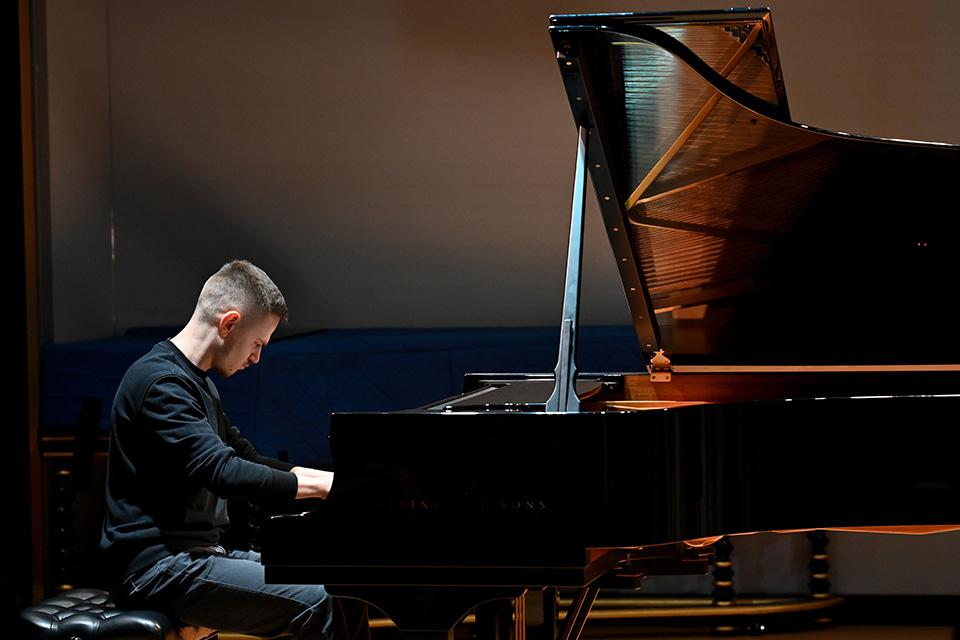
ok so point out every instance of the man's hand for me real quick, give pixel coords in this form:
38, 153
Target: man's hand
312, 483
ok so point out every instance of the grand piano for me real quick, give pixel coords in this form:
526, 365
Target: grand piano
791, 291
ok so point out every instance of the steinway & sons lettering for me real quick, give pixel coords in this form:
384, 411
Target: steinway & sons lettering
517, 505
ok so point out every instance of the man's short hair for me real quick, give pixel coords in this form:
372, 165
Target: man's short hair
242, 286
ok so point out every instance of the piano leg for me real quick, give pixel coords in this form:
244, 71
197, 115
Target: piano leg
540, 614
577, 614
432, 613
500, 620
428, 635
533, 614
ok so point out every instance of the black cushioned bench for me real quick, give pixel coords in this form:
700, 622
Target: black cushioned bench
89, 614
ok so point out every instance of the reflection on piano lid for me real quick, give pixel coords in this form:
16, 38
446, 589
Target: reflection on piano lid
742, 237
789, 285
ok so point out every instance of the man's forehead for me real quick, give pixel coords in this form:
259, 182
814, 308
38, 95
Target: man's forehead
262, 326
271, 322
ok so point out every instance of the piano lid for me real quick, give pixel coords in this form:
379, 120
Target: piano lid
742, 237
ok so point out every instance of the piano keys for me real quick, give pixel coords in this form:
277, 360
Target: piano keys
789, 287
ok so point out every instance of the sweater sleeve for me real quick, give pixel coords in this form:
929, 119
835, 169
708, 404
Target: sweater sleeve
247, 451
177, 414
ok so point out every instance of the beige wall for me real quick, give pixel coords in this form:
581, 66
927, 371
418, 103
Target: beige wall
389, 163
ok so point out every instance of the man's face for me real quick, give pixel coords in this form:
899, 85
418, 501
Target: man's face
242, 344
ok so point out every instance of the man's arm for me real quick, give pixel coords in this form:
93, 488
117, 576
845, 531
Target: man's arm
312, 483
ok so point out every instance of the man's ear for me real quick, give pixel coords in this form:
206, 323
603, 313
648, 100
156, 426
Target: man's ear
228, 321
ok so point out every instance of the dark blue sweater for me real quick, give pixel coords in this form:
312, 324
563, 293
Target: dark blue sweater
174, 461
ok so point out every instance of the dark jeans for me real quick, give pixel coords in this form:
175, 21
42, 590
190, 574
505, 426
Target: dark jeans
226, 591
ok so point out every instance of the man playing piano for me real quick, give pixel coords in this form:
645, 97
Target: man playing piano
174, 461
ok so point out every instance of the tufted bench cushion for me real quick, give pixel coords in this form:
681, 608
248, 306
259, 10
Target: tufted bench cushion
89, 614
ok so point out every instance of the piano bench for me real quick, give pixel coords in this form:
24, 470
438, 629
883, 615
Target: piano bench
89, 614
